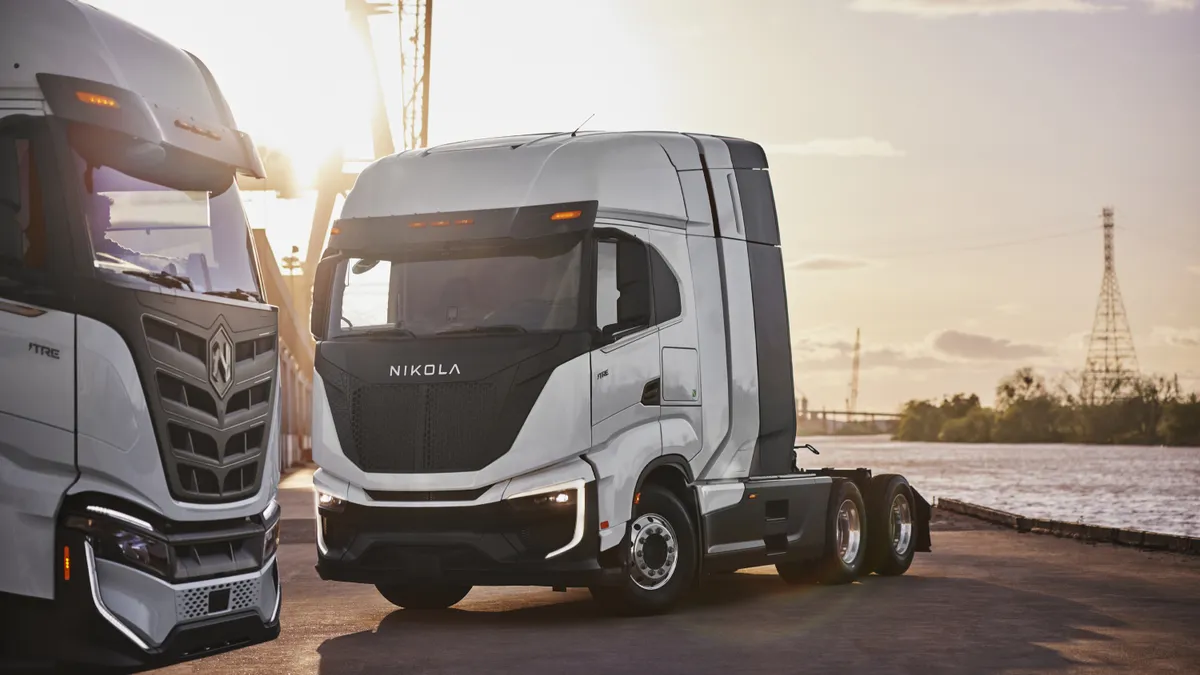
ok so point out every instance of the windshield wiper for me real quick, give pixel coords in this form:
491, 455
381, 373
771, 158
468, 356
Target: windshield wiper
379, 330
236, 294
163, 279
494, 328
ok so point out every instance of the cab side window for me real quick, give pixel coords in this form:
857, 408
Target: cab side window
667, 304
623, 292
22, 216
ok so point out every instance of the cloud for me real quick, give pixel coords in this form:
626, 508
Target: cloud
942, 8
1164, 6
826, 264
981, 347
949, 8
812, 353
837, 147
1195, 269
1175, 337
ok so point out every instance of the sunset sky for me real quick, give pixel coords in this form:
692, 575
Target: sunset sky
939, 165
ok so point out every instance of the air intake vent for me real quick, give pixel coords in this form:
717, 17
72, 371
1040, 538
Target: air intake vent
171, 336
213, 447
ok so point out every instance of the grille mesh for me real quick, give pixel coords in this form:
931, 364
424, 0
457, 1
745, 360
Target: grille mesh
414, 428
192, 603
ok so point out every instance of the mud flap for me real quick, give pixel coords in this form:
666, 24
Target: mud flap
921, 520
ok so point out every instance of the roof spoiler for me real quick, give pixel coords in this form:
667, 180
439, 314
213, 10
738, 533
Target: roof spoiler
124, 111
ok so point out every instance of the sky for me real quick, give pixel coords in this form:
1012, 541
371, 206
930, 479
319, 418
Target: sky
939, 166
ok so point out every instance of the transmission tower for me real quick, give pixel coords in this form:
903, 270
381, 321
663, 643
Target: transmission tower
852, 402
1111, 360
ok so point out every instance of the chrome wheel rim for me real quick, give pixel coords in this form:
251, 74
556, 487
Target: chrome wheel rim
849, 531
654, 550
902, 525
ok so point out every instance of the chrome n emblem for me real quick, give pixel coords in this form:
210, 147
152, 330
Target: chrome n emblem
220, 362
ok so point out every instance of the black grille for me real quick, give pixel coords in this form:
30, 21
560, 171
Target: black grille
214, 446
447, 423
414, 428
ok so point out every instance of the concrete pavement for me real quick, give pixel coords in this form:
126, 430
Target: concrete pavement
987, 600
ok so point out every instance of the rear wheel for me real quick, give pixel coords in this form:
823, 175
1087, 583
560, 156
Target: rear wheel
843, 558
891, 546
412, 596
661, 545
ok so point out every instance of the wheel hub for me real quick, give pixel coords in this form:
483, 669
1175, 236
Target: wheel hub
849, 531
901, 525
654, 551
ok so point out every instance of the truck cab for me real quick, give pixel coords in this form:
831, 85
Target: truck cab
138, 388
564, 360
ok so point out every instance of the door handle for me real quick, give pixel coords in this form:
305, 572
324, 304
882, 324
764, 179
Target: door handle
652, 393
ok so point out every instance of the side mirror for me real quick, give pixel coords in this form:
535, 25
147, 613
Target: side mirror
322, 292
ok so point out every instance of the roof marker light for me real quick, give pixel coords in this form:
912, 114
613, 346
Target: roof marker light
441, 223
416, 224
463, 221
566, 215
96, 99
198, 130
335, 230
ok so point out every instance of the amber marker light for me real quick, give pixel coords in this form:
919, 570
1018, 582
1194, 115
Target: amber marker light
66, 563
566, 215
96, 99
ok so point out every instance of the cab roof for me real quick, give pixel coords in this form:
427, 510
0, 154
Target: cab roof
67, 37
630, 171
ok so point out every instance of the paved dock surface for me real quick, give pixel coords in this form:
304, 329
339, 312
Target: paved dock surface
987, 600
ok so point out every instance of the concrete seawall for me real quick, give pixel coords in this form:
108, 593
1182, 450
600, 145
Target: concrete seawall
1154, 541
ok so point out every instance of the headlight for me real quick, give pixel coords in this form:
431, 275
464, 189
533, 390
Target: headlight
112, 539
566, 498
327, 501
270, 541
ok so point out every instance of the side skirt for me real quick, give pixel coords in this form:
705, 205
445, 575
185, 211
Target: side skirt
762, 521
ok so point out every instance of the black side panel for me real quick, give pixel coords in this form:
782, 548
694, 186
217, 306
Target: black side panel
775, 520
437, 405
776, 394
745, 154
208, 370
758, 206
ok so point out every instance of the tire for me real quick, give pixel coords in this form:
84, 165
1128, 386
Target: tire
893, 533
659, 520
411, 596
846, 512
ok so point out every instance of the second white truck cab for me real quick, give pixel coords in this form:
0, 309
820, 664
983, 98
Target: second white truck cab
564, 360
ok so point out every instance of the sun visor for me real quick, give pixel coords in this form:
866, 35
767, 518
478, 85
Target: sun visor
395, 233
124, 111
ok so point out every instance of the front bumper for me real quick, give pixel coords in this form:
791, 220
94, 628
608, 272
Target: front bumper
110, 614
493, 544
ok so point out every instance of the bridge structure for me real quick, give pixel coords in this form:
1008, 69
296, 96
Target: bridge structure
292, 292
827, 422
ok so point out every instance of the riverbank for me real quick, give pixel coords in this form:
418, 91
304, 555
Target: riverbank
1138, 487
1144, 411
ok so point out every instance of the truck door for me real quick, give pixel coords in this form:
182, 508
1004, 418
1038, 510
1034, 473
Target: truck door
37, 359
626, 377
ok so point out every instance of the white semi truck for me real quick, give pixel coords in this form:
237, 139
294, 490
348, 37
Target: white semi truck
138, 389
564, 360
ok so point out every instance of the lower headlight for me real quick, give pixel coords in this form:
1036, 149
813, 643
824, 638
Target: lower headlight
270, 541
566, 498
112, 540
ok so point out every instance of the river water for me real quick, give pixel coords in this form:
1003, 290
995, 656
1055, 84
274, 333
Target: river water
1146, 488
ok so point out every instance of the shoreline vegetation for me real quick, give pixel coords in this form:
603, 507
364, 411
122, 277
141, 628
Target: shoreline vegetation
1141, 411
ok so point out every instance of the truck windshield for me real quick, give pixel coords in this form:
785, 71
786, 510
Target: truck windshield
512, 287
175, 222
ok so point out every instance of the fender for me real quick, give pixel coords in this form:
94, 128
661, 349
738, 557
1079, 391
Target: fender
680, 464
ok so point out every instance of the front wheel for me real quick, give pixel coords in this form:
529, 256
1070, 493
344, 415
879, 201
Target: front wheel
661, 545
410, 596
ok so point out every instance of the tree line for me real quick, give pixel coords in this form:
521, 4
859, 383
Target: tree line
1148, 411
